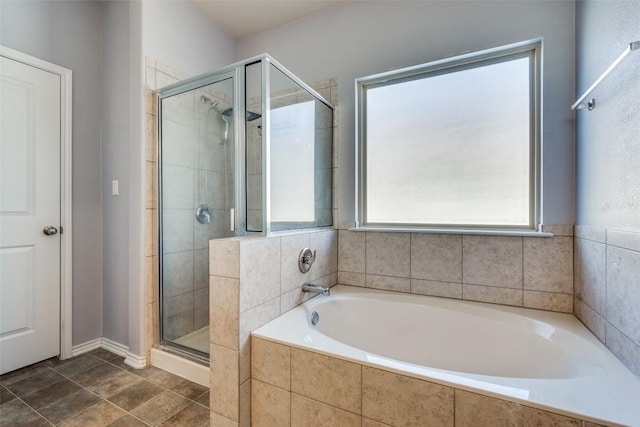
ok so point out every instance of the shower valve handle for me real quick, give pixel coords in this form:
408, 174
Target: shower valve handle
306, 259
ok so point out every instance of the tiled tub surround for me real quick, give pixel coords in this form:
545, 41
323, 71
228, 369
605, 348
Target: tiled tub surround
607, 289
254, 280
304, 375
531, 272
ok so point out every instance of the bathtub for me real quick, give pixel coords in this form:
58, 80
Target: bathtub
541, 359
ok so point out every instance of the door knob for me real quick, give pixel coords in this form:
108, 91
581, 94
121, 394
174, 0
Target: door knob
50, 231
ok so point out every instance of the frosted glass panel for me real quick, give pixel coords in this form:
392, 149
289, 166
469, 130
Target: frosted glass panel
301, 135
292, 160
451, 149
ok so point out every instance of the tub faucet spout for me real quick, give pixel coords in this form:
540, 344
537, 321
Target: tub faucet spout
316, 289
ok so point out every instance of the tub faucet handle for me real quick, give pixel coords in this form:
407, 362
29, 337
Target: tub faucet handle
306, 259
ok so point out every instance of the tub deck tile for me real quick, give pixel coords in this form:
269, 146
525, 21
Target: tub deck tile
477, 410
326, 379
270, 405
271, 363
306, 412
399, 400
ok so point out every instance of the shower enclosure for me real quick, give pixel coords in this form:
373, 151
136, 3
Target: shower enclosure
245, 150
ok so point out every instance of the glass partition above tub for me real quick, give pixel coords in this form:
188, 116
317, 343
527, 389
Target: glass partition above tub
301, 147
278, 141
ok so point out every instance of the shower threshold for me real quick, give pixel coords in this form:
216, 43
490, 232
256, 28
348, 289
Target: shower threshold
180, 364
197, 340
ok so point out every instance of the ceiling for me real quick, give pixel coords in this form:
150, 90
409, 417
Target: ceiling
244, 18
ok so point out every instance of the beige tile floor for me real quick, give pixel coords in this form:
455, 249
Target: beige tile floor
98, 389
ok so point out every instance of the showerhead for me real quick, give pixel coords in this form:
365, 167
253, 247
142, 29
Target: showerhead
208, 101
251, 115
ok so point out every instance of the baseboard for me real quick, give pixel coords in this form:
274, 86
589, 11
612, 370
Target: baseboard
135, 361
114, 347
130, 359
86, 347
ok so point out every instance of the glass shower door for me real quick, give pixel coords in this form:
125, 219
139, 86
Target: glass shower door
197, 162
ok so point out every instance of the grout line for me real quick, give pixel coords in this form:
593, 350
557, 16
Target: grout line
365, 261
103, 398
32, 408
410, 261
290, 386
462, 265
361, 393
454, 406
77, 383
522, 272
606, 285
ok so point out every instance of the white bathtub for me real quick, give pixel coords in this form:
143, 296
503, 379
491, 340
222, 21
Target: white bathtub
543, 359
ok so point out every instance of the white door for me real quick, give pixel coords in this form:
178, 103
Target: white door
29, 202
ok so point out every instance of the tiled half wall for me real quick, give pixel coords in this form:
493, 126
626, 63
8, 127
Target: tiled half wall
253, 280
531, 272
294, 387
607, 289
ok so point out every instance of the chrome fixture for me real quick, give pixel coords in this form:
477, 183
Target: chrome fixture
250, 115
50, 230
589, 105
578, 105
203, 214
207, 100
316, 289
315, 317
306, 259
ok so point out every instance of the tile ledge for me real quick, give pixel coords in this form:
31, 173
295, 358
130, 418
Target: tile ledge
466, 231
624, 239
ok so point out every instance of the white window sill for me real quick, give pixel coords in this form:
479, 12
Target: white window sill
453, 230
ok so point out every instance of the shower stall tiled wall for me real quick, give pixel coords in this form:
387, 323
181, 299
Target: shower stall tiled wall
195, 160
207, 191
196, 171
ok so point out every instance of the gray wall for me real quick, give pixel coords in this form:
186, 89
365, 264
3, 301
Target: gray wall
115, 165
362, 38
607, 245
608, 148
67, 33
169, 31
102, 43
176, 34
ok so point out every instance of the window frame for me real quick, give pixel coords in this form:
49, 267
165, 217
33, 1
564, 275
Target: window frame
531, 49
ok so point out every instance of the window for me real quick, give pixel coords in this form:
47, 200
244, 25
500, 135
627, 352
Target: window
453, 143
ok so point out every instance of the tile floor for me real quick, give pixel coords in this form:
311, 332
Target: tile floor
98, 389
